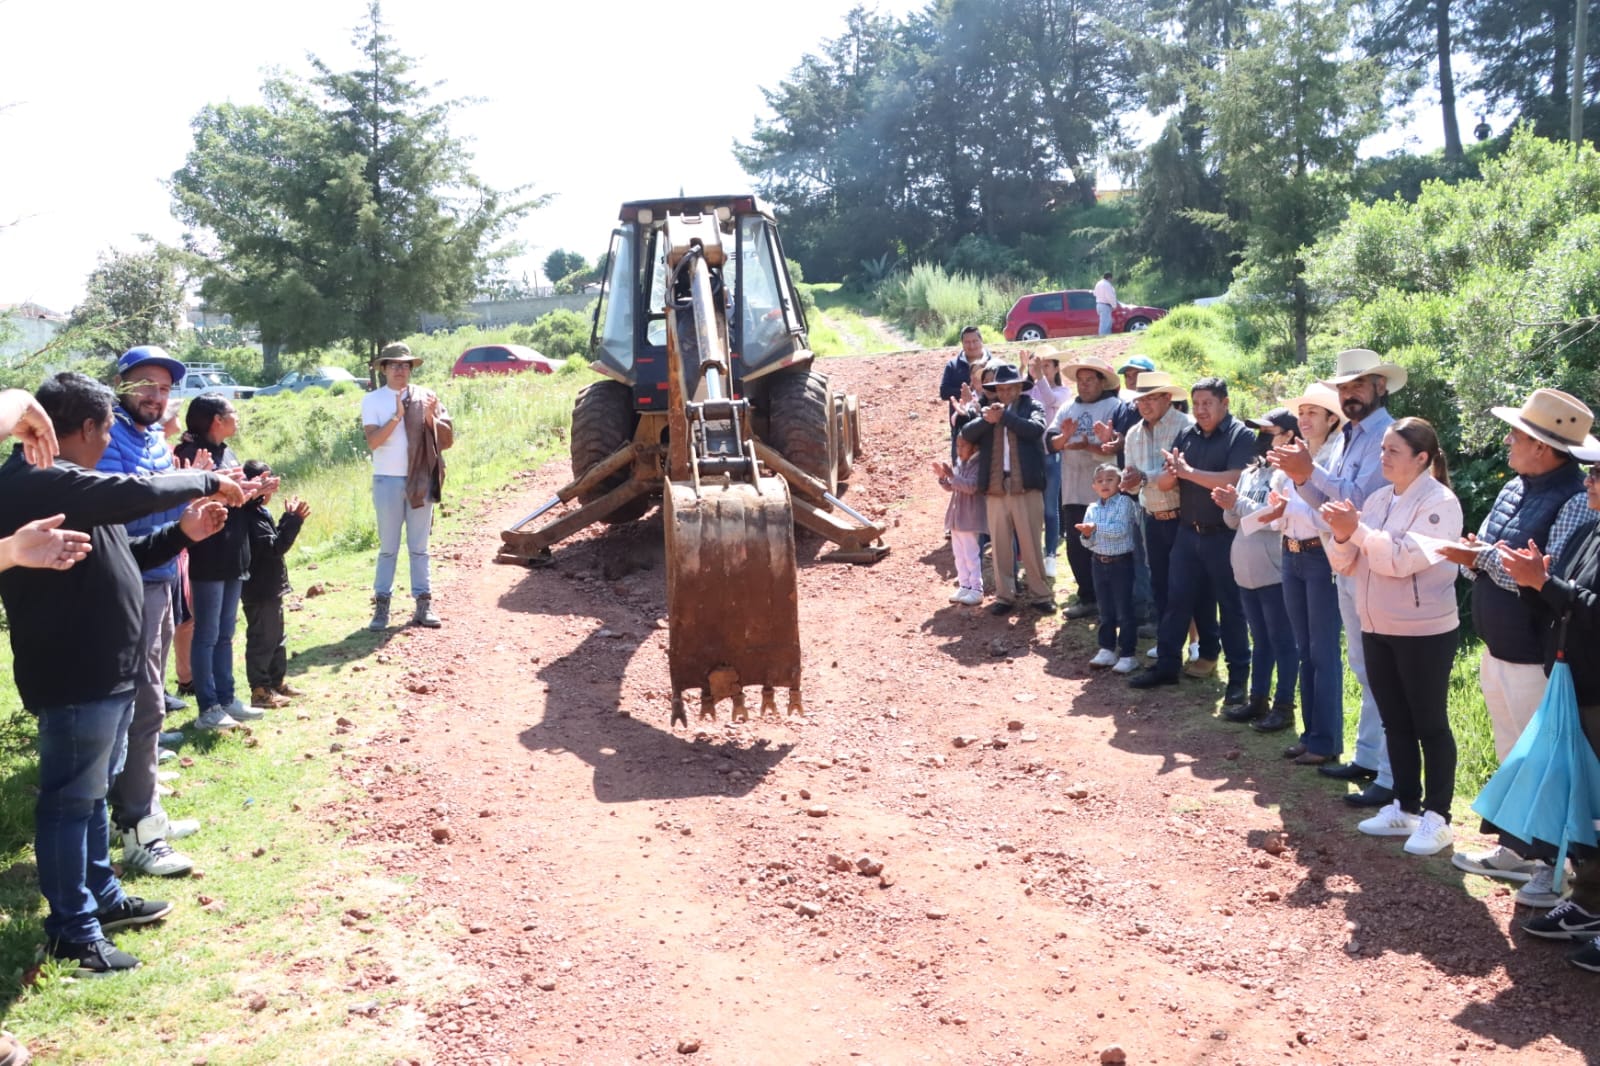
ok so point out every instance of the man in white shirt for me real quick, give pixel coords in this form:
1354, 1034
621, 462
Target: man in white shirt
404, 482
1105, 298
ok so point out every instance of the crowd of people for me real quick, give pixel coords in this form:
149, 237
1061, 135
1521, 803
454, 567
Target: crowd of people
113, 541
1322, 534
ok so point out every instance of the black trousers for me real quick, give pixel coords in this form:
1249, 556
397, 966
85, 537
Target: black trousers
1410, 680
1080, 560
266, 651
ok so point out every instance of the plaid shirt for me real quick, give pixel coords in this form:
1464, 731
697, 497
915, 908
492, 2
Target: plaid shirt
1143, 449
1114, 522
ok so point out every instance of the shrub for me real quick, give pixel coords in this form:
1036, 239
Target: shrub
558, 334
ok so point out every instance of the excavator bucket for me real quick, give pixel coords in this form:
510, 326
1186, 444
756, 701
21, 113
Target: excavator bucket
732, 604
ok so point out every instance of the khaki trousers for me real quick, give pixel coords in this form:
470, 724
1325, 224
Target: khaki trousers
1512, 692
1022, 514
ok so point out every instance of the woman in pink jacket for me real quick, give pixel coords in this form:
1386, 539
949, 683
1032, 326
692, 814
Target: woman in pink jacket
1405, 595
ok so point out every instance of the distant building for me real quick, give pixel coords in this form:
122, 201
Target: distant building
25, 328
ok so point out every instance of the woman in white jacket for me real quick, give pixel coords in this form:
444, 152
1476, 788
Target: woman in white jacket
1405, 595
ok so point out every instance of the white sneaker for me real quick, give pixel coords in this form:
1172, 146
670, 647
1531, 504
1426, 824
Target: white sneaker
167, 776
1432, 835
150, 854
1499, 862
971, 597
1103, 657
1125, 665
216, 719
165, 755
1050, 566
1391, 821
958, 595
176, 829
1540, 891
1153, 653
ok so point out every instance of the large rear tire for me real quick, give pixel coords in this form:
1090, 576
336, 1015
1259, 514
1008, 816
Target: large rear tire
801, 426
603, 420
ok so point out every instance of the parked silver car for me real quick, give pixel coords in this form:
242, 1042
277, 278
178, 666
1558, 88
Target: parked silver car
320, 377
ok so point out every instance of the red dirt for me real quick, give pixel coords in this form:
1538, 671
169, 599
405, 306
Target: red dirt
1097, 870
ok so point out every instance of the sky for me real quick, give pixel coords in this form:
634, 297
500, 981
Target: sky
593, 102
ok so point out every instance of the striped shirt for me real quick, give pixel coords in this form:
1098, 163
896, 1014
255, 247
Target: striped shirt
1143, 449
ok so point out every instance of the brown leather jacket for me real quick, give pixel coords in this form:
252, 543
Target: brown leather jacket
425, 461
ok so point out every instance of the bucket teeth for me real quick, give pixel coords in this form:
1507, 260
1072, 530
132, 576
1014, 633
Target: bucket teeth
769, 706
679, 716
794, 701
708, 706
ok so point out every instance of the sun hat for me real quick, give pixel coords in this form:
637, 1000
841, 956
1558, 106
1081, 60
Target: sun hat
398, 352
1153, 381
1071, 367
150, 355
1356, 363
1047, 351
1319, 395
1008, 375
1139, 361
1558, 419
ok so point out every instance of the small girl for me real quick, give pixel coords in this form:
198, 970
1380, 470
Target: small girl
967, 518
1108, 531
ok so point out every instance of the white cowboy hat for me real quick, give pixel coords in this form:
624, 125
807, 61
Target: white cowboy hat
1356, 363
1154, 381
1554, 417
1319, 395
1070, 368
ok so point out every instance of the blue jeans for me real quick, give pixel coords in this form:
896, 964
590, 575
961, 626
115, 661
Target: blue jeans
1200, 575
1271, 643
1312, 600
216, 611
1104, 311
81, 748
1052, 503
1159, 538
1372, 749
1143, 593
1113, 591
389, 500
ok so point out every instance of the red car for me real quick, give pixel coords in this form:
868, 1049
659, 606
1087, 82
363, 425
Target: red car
500, 359
1071, 313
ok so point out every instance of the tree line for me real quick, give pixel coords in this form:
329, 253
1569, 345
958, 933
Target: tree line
970, 132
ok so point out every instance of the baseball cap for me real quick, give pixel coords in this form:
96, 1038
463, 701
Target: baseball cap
1136, 360
148, 355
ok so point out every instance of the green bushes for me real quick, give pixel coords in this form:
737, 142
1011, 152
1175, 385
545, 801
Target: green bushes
558, 334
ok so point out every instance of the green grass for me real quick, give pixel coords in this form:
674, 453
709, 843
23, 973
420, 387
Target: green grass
839, 326
280, 873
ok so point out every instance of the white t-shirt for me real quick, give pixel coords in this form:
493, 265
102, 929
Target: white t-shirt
390, 458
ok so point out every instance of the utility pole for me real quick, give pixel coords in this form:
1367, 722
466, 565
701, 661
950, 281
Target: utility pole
1580, 36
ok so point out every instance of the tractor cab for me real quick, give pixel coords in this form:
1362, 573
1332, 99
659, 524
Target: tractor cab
766, 326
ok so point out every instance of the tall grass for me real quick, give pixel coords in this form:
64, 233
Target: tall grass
933, 304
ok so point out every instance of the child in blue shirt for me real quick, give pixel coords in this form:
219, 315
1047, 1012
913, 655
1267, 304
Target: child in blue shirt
1108, 529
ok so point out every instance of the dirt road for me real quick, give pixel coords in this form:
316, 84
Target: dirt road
1094, 870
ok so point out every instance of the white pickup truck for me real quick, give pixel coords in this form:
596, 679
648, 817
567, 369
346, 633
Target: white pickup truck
210, 377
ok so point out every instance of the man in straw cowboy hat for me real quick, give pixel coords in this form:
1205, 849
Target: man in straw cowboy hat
406, 428
1364, 382
1541, 508
1206, 455
1072, 435
1009, 434
1145, 448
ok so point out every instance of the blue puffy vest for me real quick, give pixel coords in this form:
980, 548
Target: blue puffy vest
1525, 509
140, 452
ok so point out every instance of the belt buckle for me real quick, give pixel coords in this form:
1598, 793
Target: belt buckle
1292, 544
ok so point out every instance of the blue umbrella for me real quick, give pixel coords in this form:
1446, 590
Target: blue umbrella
1548, 788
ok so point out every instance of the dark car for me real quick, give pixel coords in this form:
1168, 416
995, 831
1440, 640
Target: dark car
500, 359
321, 377
1071, 313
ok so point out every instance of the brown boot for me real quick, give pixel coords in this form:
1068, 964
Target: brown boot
266, 698
283, 688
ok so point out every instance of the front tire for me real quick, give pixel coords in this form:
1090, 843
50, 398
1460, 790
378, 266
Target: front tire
1030, 333
1136, 325
800, 424
603, 420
